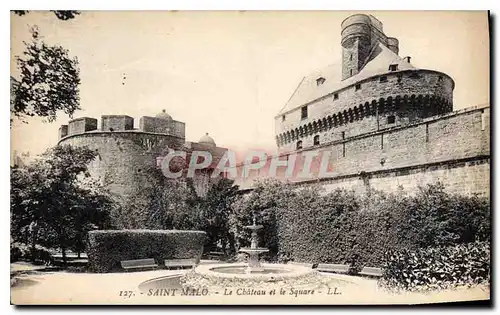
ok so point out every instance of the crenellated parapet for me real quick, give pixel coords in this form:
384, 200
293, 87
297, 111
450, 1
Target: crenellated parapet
394, 111
161, 124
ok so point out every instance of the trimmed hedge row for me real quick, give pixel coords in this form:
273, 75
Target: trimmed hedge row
438, 268
106, 248
342, 227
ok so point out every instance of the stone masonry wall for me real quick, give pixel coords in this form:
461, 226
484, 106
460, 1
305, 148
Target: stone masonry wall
460, 136
399, 84
428, 83
123, 157
465, 178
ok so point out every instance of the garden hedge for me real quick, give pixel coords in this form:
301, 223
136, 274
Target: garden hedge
342, 227
437, 268
106, 248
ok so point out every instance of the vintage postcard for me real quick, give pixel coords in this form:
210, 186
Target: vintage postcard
250, 157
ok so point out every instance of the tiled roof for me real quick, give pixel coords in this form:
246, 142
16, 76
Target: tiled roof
378, 63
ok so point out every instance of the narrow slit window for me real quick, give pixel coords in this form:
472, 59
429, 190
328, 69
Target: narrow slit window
303, 112
299, 144
316, 140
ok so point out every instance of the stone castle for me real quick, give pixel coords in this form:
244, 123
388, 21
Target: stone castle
385, 122
125, 154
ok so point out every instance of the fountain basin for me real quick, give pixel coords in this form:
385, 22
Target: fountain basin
270, 272
254, 250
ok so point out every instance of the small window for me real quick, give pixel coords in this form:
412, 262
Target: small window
400, 78
358, 87
383, 79
283, 118
393, 67
303, 112
350, 71
343, 135
391, 119
320, 81
440, 79
299, 144
350, 58
335, 96
316, 140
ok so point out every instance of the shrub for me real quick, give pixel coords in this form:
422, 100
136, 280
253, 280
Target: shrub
309, 225
19, 251
106, 248
437, 267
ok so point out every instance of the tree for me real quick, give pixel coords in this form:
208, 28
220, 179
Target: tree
49, 81
265, 199
54, 199
49, 78
215, 208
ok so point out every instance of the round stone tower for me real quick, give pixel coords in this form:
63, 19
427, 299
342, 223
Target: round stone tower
356, 43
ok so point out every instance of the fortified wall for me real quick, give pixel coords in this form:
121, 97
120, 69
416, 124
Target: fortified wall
453, 148
383, 122
126, 154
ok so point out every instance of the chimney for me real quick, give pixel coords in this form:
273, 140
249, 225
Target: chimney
407, 59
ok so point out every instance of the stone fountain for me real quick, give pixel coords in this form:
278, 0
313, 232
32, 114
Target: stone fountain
254, 251
221, 276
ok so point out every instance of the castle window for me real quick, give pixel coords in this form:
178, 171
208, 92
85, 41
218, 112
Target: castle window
400, 78
383, 79
350, 58
283, 118
343, 135
440, 78
320, 81
393, 67
299, 144
391, 119
357, 87
303, 114
316, 140
350, 71
335, 96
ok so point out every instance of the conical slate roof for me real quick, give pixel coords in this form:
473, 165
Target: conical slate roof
378, 63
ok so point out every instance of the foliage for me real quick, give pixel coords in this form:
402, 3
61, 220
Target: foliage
19, 251
437, 267
107, 248
162, 203
266, 197
310, 225
60, 14
165, 203
215, 209
49, 80
53, 202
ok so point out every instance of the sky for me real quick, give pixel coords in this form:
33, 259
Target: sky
229, 73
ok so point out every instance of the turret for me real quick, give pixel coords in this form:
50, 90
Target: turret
356, 43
